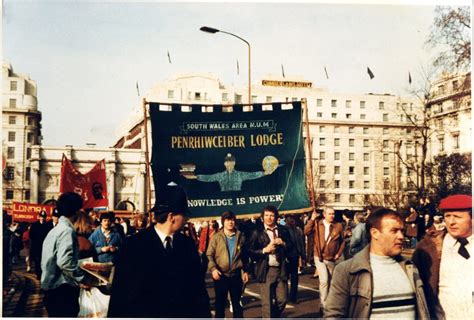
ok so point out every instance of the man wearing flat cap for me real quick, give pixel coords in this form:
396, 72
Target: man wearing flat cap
158, 271
446, 263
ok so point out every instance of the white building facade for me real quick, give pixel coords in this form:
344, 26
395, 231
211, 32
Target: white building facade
357, 141
21, 131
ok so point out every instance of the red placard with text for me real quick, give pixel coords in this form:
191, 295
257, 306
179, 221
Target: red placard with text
28, 212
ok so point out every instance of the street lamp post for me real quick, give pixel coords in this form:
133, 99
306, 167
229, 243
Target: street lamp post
213, 30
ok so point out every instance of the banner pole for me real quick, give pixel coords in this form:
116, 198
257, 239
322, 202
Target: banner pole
147, 158
310, 153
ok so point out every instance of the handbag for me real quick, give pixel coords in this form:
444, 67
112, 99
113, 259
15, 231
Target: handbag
93, 303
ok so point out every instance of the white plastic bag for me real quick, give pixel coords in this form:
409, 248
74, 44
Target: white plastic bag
93, 303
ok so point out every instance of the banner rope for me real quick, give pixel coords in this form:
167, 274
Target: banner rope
293, 162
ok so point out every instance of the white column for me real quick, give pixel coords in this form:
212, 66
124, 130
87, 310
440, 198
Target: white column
34, 183
142, 191
111, 189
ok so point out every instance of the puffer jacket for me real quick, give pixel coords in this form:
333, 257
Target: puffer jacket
218, 254
350, 295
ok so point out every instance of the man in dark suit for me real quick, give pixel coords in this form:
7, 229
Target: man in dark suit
158, 270
38, 232
269, 247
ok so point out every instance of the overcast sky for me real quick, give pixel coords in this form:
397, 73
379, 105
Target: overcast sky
87, 56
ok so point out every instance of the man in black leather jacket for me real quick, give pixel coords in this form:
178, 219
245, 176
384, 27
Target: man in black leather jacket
269, 248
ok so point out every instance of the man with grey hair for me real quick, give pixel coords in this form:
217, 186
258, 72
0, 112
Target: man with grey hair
328, 247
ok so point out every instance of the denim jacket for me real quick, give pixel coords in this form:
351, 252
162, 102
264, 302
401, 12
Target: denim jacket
98, 240
59, 260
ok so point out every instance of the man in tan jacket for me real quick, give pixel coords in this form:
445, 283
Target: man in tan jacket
328, 247
228, 264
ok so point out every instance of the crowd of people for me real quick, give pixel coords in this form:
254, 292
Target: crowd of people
161, 259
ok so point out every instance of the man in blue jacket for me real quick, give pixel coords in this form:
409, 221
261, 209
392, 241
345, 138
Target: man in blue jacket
105, 239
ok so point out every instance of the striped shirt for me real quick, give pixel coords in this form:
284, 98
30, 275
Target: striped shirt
393, 295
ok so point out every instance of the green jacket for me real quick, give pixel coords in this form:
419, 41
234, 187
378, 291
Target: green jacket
218, 254
350, 294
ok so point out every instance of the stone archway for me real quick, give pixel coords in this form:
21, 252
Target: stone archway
125, 205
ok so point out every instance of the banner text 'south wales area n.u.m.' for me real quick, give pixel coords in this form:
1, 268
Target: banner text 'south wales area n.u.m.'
238, 161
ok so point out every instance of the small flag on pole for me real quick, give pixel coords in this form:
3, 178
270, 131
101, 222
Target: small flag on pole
138, 91
169, 57
282, 71
326, 71
371, 74
409, 77
238, 70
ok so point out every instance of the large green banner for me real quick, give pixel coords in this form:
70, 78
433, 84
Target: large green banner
239, 161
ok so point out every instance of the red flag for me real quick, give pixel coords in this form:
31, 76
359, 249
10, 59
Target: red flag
92, 186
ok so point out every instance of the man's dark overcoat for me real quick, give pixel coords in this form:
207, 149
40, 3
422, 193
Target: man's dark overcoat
148, 283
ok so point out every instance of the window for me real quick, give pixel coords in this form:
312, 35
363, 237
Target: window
13, 85
455, 85
337, 184
27, 194
351, 142
27, 174
351, 129
321, 128
352, 198
322, 197
293, 99
362, 104
31, 121
10, 173
322, 155
224, 96
366, 143
12, 103
337, 169
385, 157
334, 115
336, 129
322, 169
319, 114
362, 116
385, 131
385, 143
351, 170
381, 105
30, 137
197, 96
456, 141
337, 142
322, 141
170, 94
365, 130
337, 156
366, 170
348, 103
351, 184
386, 184
366, 198
385, 117
254, 99
11, 136
441, 89
402, 118
366, 157
28, 153
385, 171
366, 184
337, 198
322, 183
348, 116
334, 103
351, 156
268, 99
9, 194
441, 144
11, 152
319, 102
238, 98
